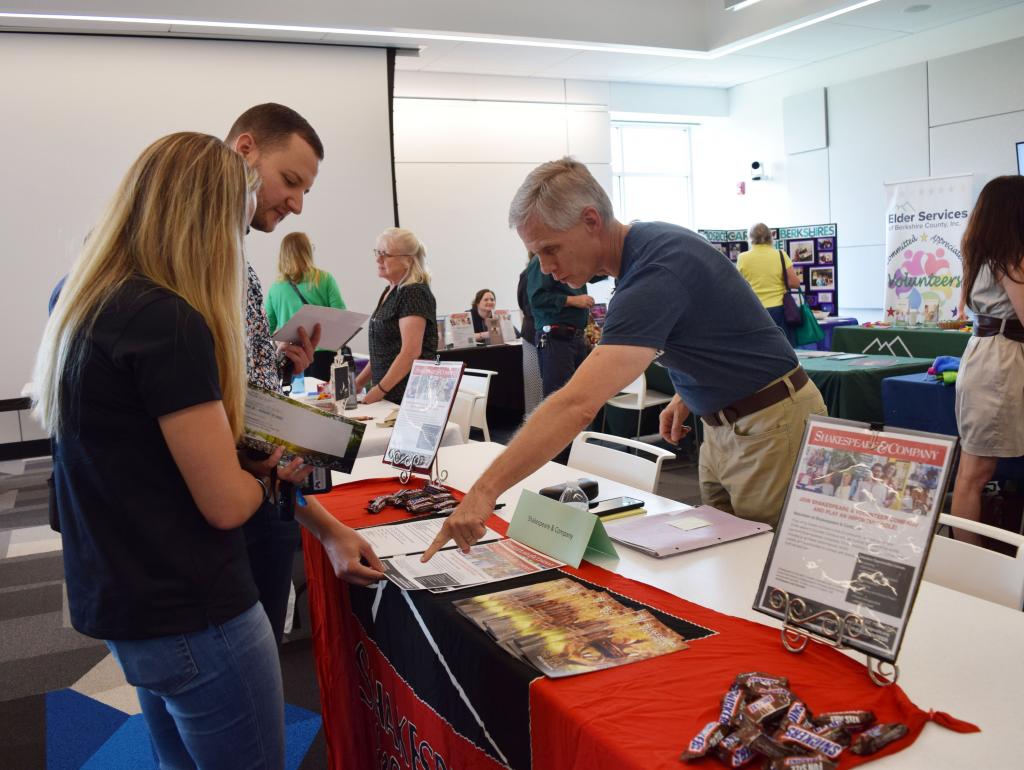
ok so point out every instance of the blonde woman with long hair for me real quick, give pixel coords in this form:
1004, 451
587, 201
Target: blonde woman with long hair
140, 381
404, 325
300, 282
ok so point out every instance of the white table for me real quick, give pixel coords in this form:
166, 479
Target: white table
960, 654
376, 438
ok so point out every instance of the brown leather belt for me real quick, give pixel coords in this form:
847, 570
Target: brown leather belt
764, 398
990, 326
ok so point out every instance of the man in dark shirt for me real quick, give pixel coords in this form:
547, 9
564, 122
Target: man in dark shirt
676, 299
560, 314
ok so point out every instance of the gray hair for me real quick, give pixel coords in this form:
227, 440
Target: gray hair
760, 233
556, 193
408, 245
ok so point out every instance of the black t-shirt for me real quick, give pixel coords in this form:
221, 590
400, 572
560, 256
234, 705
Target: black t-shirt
414, 299
139, 558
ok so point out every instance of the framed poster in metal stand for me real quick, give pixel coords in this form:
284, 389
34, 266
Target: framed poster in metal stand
422, 419
850, 548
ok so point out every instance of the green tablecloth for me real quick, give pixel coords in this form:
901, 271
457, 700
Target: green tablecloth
904, 342
853, 390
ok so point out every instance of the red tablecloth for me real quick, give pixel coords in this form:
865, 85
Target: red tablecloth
640, 715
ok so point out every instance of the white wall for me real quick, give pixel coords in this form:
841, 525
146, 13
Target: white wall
464, 144
896, 111
78, 110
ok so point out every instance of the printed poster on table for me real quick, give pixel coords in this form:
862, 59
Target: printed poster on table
423, 414
460, 328
924, 222
855, 531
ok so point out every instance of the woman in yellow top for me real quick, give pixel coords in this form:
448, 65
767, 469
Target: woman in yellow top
762, 267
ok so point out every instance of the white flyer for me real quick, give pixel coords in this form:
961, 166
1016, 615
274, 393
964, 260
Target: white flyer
855, 531
460, 329
423, 414
486, 563
409, 537
337, 327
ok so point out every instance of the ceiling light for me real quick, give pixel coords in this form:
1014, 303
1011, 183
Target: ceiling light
917, 8
739, 5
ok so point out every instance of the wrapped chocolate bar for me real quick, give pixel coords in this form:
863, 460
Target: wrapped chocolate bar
768, 708
877, 738
734, 750
852, 721
709, 737
732, 704
377, 504
803, 763
797, 713
756, 678
806, 740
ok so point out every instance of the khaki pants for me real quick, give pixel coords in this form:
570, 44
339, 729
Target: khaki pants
745, 468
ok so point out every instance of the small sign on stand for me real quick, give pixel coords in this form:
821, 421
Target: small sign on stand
422, 418
854, 536
558, 530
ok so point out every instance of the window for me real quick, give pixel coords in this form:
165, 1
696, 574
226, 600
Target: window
651, 177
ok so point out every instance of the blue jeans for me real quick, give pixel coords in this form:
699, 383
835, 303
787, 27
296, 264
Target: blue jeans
272, 543
780, 320
212, 698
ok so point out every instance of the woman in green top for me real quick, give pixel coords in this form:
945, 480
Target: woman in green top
298, 284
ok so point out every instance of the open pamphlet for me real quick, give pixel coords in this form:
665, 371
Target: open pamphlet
424, 413
855, 530
667, 534
485, 563
563, 628
323, 439
410, 537
337, 327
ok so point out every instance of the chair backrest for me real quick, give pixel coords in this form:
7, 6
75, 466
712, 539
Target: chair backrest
462, 412
640, 471
975, 570
478, 382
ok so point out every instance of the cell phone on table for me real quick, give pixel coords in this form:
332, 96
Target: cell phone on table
614, 505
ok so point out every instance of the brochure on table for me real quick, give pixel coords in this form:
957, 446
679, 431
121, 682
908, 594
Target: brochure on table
485, 563
410, 536
337, 327
855, 531
460, 329
423, 415
813, 249
322, 439
668, 534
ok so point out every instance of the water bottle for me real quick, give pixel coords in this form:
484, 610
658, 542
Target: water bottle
574, 496
298, 385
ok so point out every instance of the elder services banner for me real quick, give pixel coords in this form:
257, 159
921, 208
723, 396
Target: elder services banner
924, 222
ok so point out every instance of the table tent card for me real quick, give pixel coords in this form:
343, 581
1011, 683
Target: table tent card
460, 328
323, 439
423, 415
855, 531
558, 530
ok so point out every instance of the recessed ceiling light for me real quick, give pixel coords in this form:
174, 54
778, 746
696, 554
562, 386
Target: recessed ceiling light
919, 8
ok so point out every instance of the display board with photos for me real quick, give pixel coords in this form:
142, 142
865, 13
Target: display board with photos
423, 415
813, 250
855, 532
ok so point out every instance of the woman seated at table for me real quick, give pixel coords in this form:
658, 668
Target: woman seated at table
403, 327
481, 310
141, 381
990, 384
763, 267
300, 283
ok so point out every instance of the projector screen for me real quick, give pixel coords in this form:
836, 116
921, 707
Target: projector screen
77, 110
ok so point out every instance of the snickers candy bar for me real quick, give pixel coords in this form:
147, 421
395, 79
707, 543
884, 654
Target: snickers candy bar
802, 763
851, 721
377, 504
732, 704
763, 680
835, 733
709, 737
798, 713
736, 757
768, 747
807, 740
878, 737
767, 708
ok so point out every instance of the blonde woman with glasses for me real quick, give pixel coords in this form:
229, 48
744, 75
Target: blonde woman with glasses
140, 381
403, 327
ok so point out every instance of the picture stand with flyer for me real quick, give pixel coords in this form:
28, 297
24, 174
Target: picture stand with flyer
851, 545
422, 418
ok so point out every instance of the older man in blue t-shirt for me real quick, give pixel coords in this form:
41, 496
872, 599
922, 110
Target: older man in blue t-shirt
677, 300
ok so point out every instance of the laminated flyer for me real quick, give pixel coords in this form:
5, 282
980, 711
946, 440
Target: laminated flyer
854, 534
460, 329
485, 563
423, 415
322, 439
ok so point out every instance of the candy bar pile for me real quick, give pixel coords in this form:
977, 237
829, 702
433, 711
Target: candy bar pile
762, 719
418, 502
